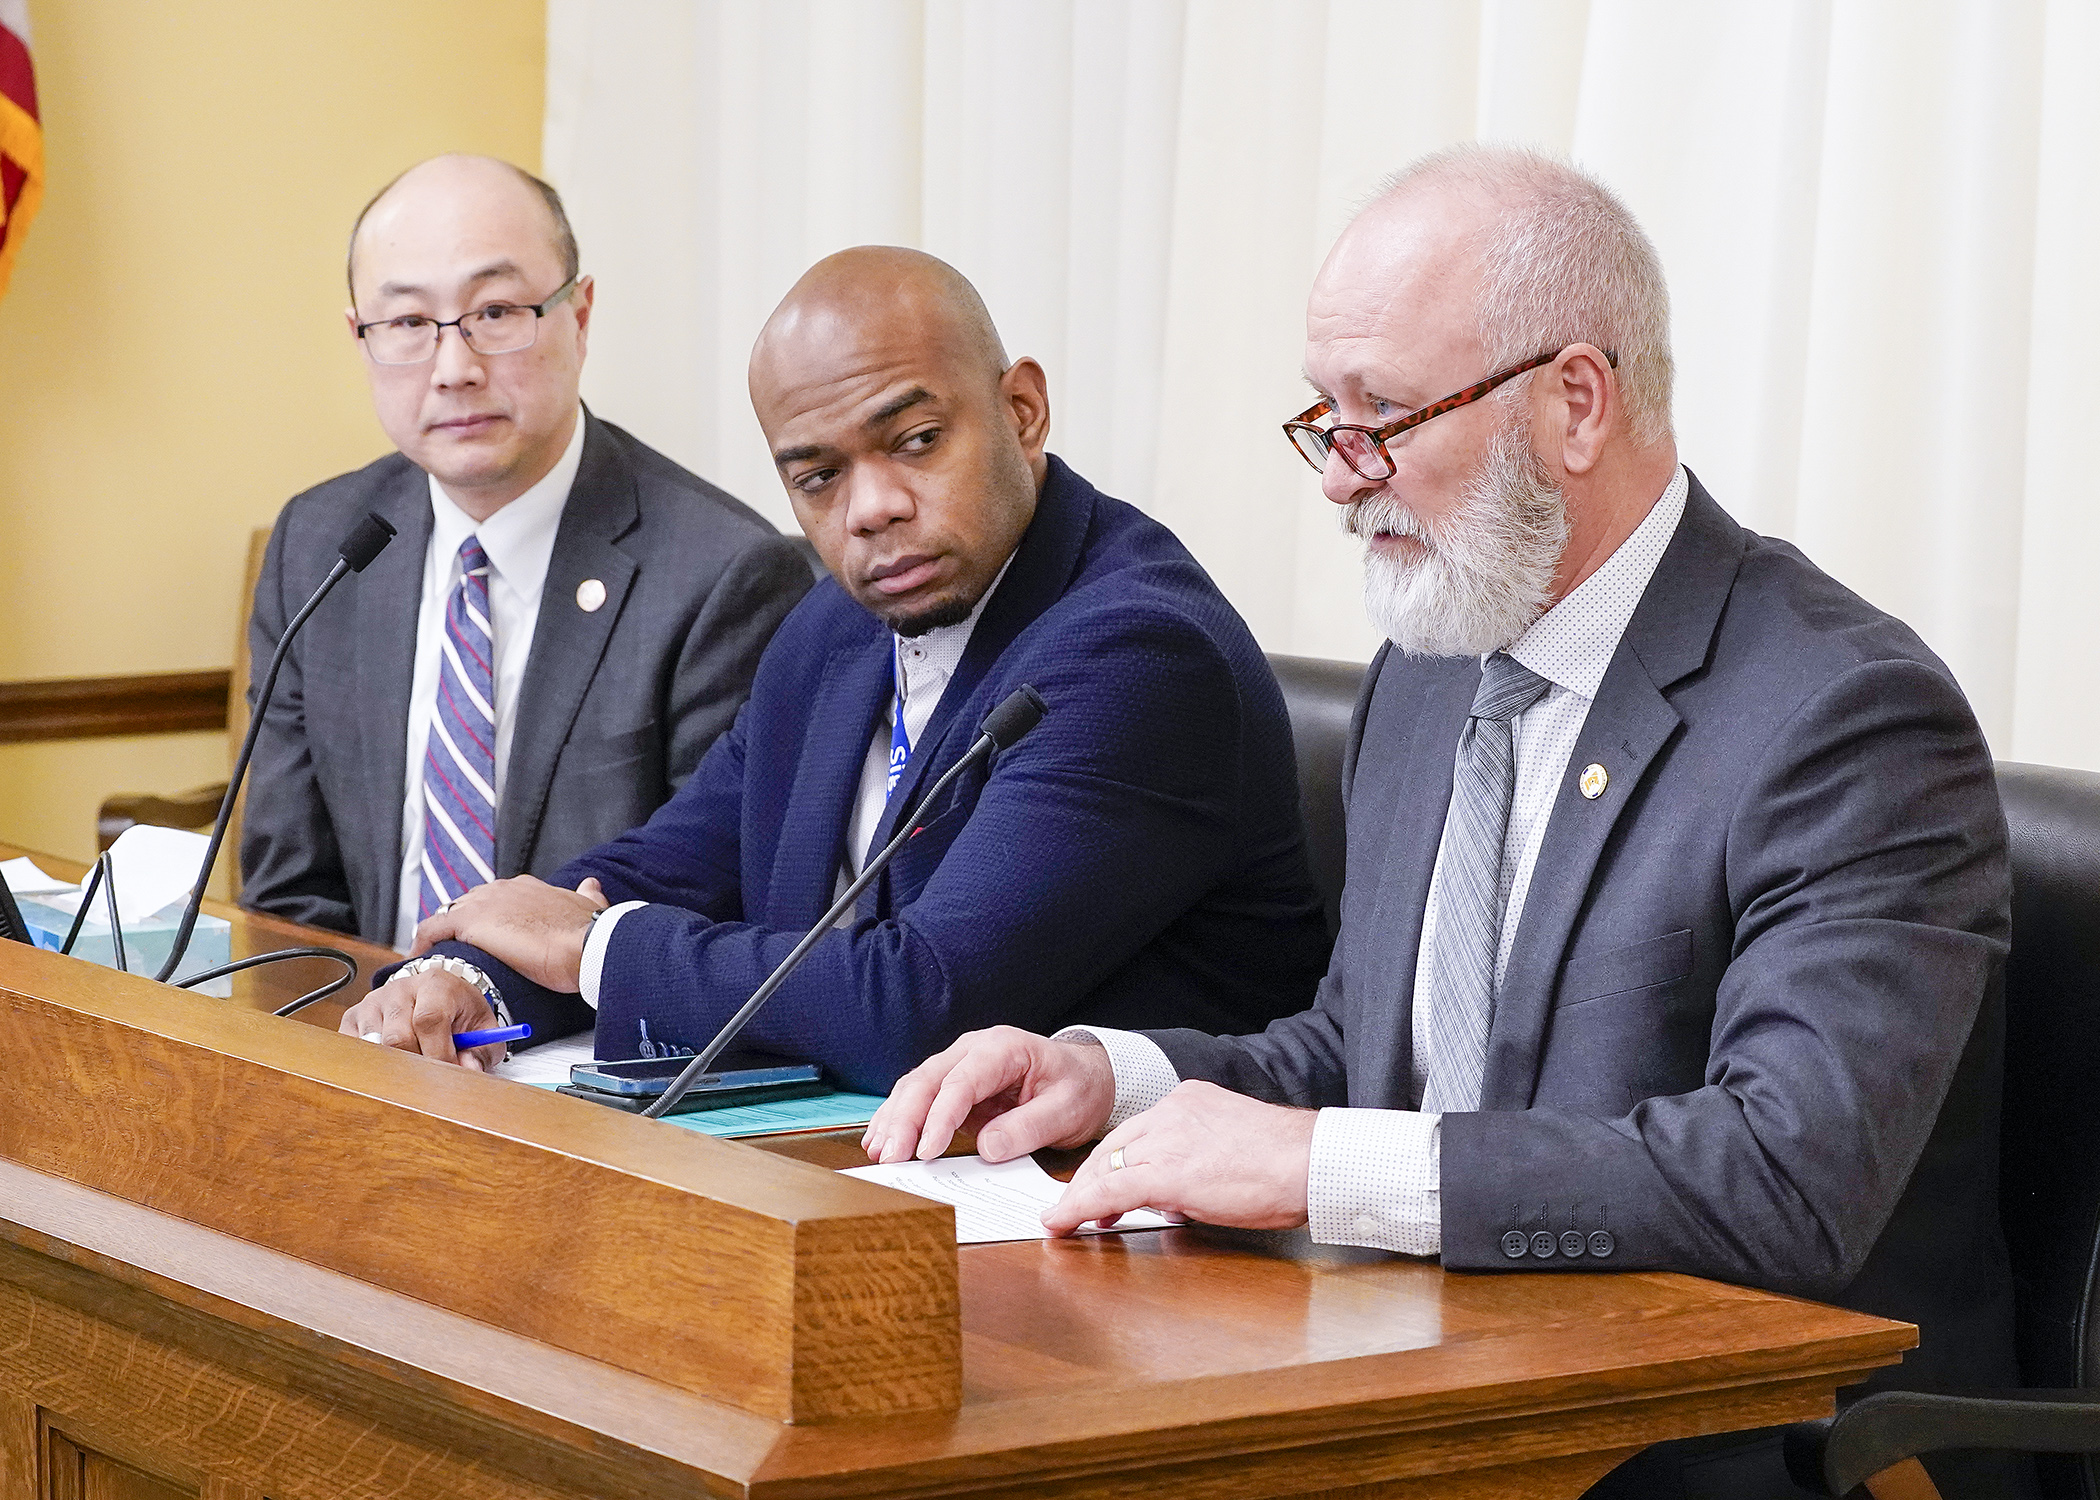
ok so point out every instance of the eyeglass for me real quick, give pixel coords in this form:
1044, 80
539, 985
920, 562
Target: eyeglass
499, 328
1363, 448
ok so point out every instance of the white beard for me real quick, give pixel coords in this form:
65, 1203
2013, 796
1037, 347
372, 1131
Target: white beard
1486, 572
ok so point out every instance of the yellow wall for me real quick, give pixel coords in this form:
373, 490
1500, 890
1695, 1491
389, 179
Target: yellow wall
173, 363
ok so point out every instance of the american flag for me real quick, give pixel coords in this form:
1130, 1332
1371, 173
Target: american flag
21, 136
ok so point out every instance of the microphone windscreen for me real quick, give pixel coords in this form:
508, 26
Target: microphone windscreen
367, 539
1021, 711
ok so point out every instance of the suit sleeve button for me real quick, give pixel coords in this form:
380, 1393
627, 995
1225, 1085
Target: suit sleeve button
1542, 1243
1601, 1243
1571, 1243
1515, 1244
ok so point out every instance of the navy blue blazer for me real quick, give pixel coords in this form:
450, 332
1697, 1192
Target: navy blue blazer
1137, 860
1750, 1026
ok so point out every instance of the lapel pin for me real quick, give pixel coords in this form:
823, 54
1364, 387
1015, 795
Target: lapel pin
1594, 780
590, 596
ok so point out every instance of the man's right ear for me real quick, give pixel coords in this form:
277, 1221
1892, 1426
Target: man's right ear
1026, 390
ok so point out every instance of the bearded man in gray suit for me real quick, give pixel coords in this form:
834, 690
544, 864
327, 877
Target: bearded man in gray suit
1677, 894
566, 623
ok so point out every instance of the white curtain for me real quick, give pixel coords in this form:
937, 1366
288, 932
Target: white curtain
1880, 218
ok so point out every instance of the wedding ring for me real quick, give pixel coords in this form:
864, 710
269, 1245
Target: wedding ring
1115, 1160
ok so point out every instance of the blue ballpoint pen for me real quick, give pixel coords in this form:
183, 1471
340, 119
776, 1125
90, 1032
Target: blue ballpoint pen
465, 1039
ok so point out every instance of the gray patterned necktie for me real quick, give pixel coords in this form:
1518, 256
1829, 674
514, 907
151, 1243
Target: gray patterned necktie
1469, 885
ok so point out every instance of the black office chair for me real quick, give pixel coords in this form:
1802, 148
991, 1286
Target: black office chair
1320, 696
808, 549
2049, 1189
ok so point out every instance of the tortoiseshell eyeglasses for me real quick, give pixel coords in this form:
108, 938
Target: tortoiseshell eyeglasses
1363, 448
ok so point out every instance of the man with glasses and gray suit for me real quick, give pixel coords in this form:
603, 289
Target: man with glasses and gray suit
1677, 896
566, 623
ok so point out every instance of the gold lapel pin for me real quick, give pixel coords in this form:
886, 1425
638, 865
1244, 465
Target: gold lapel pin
1594, 780
590, 596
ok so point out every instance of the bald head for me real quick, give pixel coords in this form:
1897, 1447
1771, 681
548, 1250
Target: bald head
476, 185
445, 245
879, 294
911, 449
1500, 318
1546, 256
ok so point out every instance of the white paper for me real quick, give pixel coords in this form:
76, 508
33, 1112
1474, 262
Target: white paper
549, 1064
993, 1201
25, 879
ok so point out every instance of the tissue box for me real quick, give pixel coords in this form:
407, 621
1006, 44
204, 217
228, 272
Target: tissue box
146, 944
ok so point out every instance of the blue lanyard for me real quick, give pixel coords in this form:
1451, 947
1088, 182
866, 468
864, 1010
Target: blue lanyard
900, 737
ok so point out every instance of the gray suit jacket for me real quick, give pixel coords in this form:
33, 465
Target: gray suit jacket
617, 707
1750, 1025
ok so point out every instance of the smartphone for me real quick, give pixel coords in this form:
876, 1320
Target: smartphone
726, 1096
646, 1077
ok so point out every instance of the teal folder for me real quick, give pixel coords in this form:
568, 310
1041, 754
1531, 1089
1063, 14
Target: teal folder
823, 1112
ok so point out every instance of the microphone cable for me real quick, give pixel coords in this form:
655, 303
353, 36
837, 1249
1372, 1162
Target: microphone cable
280, 956
103, 877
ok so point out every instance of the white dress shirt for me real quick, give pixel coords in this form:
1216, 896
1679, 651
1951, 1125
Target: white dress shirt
519, 541
1374, 1172
926, 663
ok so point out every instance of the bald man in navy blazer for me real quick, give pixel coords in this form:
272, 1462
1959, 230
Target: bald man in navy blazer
1136, 859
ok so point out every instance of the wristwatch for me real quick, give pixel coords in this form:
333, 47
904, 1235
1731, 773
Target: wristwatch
459, 968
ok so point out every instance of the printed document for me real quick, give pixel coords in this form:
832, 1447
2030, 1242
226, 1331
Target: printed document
993, 1202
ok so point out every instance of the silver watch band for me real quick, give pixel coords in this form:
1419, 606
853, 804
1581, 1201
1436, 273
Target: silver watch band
459, 968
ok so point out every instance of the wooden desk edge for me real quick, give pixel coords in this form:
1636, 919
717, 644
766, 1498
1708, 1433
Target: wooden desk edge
1334, 1402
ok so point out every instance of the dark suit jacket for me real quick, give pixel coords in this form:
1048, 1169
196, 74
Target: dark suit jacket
617, 707
1750, 1025
1136, 860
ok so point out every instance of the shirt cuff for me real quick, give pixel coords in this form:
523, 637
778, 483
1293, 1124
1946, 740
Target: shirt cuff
1373, 1180
1143, 1074
593, 972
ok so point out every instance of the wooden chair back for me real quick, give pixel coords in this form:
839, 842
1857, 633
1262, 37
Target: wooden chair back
199, 807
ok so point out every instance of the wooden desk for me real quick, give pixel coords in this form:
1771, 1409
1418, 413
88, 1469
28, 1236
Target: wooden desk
144, 1355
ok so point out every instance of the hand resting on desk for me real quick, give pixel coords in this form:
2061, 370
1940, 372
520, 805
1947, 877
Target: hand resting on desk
1203, 1152
420, 1012
536, 928
1040, 1093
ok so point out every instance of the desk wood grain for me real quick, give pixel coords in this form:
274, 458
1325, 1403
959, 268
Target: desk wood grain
1195, 1363
769, 1284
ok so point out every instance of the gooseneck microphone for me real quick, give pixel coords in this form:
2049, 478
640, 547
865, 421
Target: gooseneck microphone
367, 539
1020, 711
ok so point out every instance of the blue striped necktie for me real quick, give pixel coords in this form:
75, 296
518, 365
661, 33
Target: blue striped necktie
459, 762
